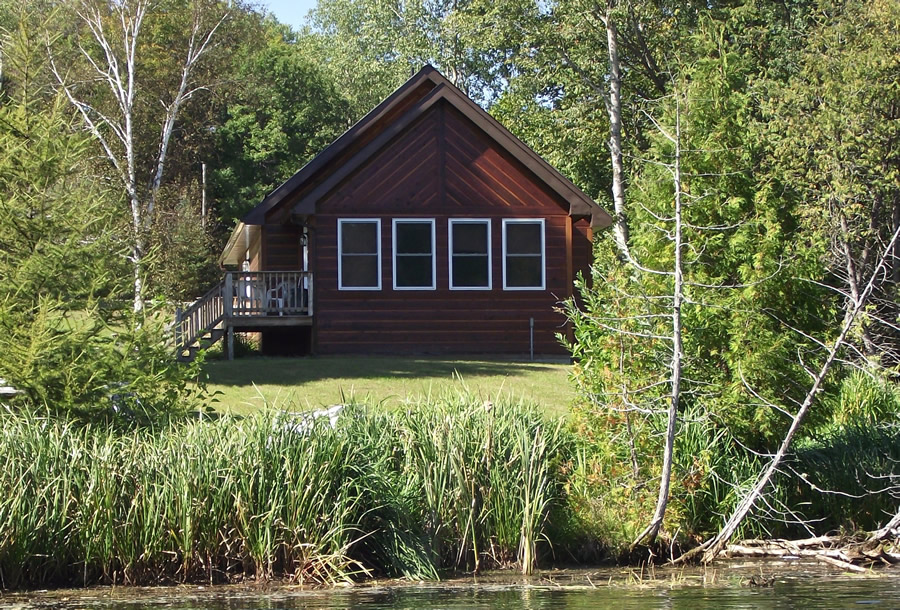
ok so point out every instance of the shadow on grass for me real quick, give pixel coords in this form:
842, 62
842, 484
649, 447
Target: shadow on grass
292, 371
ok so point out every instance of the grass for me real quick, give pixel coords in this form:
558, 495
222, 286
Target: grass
246, 385
449, 484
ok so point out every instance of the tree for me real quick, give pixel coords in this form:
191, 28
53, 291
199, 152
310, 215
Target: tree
836, 147
286, 111
67, 338
650, 344
714, 546
111, 53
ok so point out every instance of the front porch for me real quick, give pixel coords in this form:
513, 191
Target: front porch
244, 301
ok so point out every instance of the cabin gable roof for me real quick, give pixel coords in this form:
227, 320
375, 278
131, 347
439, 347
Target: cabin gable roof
300, 193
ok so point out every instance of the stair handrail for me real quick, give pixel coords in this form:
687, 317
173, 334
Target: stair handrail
200, 317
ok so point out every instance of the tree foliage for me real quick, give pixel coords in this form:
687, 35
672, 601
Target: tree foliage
68, 341
286, 111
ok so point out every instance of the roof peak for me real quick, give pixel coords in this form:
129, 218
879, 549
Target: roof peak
378, 127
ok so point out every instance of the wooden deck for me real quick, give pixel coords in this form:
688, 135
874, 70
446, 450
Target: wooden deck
244, 301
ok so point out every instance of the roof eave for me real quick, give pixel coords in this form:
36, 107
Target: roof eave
257, 215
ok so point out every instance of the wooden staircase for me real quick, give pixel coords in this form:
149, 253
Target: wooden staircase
205, 341
201, 325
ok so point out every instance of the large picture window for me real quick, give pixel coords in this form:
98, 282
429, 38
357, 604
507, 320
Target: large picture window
359, 254
414, 265
523, 254
470, 254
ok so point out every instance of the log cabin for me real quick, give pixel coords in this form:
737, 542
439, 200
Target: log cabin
426, 228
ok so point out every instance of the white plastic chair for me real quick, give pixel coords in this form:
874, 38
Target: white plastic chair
276, 295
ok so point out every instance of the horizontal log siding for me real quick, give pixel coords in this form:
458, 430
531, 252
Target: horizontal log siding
582, 247
282, 248
424, 175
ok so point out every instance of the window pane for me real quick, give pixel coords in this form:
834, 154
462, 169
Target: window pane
470, 271
470, 238
523, 271
413, 238
414, 271
359, 238
523, 238
359, 271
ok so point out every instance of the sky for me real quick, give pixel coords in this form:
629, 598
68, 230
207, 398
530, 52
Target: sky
291, 12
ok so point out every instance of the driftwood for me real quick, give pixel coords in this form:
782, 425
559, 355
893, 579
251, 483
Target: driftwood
848, 554
891, 529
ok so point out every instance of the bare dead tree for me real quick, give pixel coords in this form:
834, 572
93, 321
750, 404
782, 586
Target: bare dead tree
652, 529
715, 545
115, 29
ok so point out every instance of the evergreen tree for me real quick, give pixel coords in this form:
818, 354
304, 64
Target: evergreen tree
68, 339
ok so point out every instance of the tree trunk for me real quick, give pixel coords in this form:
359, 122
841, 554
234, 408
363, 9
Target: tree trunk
652, 530
895, 261
853, 276
614, 109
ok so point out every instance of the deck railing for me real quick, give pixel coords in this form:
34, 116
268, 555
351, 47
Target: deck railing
245, 294
203, 315
266, 293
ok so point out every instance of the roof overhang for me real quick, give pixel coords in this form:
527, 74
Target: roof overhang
235, 251
312, 183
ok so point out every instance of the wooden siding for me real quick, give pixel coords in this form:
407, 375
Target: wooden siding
254, 252
282, 213
281, 248
442, 167
582, 247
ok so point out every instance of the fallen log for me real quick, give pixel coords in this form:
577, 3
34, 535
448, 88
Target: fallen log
844, 565
815, 542
855, 556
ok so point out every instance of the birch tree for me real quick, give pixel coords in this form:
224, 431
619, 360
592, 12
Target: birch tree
111, 54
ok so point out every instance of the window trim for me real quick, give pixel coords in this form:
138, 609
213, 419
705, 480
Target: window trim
394, 224
490, 270
515, 221
340, 252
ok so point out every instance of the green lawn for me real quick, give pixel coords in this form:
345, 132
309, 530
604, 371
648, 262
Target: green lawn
246, 384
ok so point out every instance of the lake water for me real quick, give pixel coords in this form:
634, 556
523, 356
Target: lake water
796, 585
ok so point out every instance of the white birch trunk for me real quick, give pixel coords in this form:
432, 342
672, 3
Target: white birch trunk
614, 110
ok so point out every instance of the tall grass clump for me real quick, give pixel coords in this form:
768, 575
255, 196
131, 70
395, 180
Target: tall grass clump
487, 474
448, 483
183, 502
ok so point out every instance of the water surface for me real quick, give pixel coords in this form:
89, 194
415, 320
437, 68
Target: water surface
798, 584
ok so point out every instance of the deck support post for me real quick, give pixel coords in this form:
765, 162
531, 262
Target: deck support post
229, 334
228, 296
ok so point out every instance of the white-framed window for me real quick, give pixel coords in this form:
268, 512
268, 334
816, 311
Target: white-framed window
359, 254
414, 260
523, 254
469, 242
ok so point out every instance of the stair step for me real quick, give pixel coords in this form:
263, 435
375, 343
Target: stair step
188, 353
